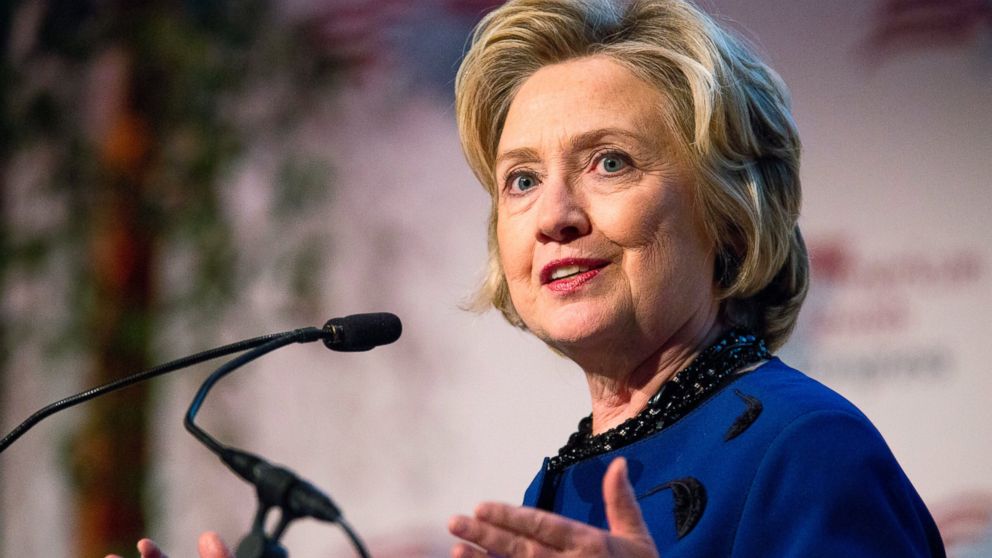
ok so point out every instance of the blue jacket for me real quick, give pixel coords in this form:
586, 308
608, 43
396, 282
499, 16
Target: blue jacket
772, 465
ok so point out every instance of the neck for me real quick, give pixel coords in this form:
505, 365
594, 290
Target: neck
620, 392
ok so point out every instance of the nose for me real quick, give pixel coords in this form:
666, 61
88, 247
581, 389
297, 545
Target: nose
562, 213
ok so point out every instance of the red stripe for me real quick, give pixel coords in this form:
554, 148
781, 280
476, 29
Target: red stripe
929, 22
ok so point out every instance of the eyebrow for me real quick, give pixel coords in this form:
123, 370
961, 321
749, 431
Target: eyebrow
584, 140
588, 139
518, 154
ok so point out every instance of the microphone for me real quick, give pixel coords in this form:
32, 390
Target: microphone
362, 332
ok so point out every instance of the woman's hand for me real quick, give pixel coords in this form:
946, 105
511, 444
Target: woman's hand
210, 545
518, 532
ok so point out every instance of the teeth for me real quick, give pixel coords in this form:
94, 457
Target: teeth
567, 270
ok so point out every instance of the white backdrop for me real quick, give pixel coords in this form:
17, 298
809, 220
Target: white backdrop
463, 408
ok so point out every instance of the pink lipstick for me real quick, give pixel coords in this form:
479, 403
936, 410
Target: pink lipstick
568, 274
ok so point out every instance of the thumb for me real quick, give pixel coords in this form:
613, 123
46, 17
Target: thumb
210, 545
622, 510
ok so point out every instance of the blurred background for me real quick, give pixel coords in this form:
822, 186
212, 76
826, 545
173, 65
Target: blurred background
176, 175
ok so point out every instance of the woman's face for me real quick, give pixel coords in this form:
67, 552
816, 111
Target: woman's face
597, 235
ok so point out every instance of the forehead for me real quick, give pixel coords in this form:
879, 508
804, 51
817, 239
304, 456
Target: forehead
564, 100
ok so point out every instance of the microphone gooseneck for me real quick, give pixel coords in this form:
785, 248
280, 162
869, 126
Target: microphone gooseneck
359, 332
126, 381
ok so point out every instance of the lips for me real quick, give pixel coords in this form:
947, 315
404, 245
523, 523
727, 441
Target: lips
571, 270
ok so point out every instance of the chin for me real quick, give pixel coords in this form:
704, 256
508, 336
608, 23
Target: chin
576, 328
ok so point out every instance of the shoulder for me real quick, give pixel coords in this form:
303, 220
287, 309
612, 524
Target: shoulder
823, 479
792, 393
747, 416
789, 468
776, 400
800, 431
805, 429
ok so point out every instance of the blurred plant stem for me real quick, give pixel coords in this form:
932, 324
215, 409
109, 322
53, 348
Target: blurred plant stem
6, 149
139, 110
109, 452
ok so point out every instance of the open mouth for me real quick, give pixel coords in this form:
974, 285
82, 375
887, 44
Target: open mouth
566, 269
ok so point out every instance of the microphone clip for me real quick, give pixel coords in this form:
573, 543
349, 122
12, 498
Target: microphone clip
277, 488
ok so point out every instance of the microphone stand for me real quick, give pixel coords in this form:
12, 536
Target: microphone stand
276, 487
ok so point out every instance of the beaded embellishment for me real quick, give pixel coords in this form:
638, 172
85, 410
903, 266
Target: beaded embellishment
679, 395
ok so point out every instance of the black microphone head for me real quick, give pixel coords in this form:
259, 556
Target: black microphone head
362, 332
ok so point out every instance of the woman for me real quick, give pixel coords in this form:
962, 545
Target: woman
644, 173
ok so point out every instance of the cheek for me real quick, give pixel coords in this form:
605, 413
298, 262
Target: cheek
638, 226
514, 254
666, 253
668, 281
682, 267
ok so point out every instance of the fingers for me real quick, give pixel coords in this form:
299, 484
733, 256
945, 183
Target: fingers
522, 532
549, 529
463, 550
149, 549
623, 513
491, 538
500, 530
210, 545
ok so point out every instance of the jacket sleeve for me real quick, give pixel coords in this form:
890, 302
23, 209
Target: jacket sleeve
829, 486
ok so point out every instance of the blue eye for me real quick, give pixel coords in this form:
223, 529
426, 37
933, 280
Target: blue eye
522, 182
612, 163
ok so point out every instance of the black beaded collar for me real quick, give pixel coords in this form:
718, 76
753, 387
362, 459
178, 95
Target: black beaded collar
687, 389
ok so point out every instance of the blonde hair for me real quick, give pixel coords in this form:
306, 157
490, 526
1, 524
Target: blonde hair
729, 110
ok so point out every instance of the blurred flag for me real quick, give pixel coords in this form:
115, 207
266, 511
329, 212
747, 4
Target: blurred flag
363, 33
902, 24
358, 31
